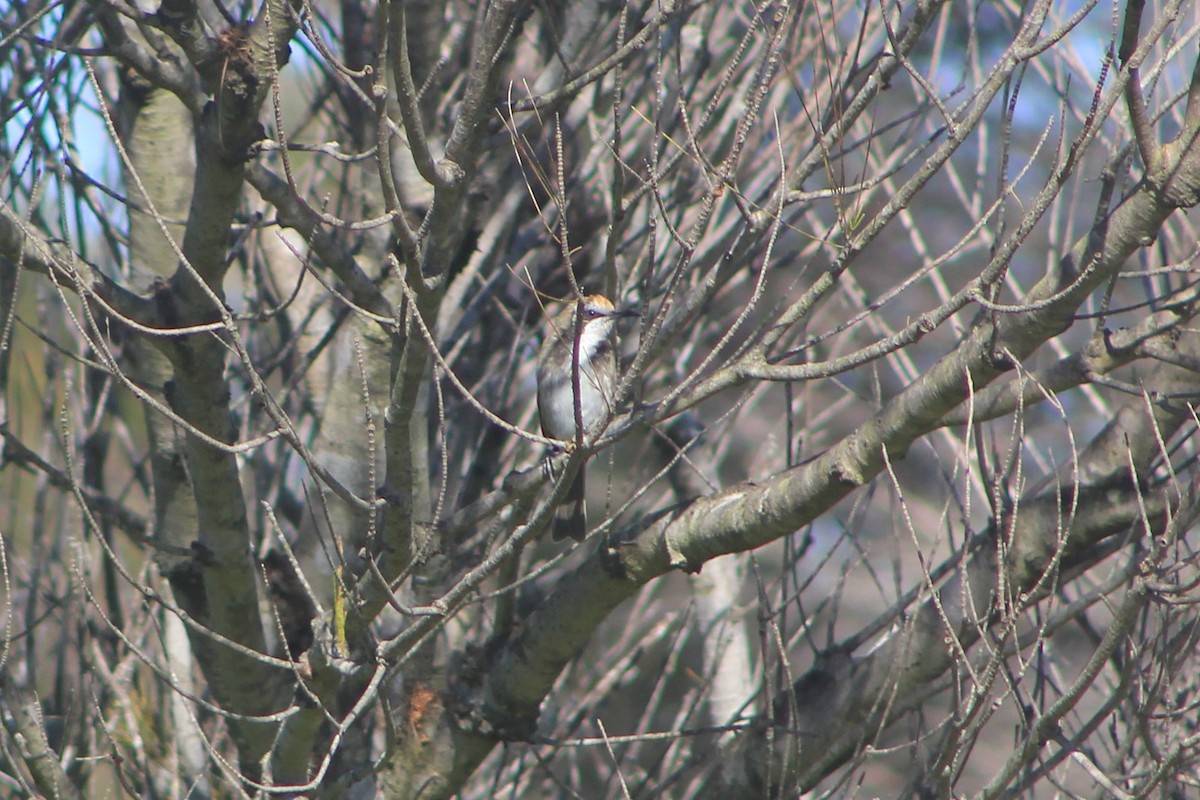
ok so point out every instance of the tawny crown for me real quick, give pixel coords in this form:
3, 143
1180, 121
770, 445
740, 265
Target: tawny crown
598, 303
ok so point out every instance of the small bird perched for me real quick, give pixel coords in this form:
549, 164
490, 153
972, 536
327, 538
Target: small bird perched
557, 403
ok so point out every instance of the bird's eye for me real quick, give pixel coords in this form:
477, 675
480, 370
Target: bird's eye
593, 313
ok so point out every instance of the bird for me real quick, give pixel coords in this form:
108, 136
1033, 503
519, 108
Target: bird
557, 403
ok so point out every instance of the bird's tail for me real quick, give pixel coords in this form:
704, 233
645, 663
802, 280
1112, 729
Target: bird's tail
571, 517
